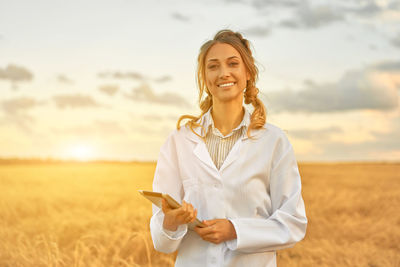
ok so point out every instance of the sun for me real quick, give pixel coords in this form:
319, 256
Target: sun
81, 152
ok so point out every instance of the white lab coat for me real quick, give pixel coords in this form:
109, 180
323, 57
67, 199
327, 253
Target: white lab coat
257, 188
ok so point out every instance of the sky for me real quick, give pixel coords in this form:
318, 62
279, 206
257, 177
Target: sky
109, 79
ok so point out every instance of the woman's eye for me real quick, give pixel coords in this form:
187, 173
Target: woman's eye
212, 66
233, 63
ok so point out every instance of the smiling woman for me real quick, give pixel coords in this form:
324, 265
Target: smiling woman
230, 169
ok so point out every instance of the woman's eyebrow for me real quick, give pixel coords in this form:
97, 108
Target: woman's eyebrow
214, 59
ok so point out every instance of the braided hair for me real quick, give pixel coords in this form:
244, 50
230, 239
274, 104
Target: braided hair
242, 45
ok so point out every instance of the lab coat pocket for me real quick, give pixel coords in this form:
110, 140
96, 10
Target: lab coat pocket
190, 188
193, 194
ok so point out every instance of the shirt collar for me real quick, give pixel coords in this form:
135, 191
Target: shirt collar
208, 122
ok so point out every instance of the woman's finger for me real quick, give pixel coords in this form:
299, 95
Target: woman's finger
188, 216
211, 237
204, 231
183, 205
191, 219
187, 219
181, 215
194, 216
164, 206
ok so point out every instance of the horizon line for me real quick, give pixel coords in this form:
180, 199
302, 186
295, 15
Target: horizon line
33, 160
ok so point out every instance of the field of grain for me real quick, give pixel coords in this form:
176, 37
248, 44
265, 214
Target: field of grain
90, 214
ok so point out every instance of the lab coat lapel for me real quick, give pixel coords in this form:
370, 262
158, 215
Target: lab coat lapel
238, 147
202, 153
200, 149
232, 155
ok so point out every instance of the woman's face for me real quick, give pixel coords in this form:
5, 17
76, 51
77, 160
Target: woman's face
225, 73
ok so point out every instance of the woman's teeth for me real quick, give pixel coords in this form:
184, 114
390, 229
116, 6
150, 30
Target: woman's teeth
226, 84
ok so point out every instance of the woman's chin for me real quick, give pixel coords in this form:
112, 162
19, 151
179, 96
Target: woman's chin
229, 98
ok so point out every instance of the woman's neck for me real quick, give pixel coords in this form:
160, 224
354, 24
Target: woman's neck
227, 116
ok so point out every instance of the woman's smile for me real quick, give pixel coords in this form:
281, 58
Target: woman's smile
224, 85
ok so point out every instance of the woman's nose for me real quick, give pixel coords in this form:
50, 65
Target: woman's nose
224, 72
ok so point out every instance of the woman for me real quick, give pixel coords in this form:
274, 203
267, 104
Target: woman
230, 168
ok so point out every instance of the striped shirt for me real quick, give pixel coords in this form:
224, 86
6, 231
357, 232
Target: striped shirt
219, 145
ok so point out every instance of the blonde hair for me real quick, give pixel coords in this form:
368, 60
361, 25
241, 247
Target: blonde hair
235, 39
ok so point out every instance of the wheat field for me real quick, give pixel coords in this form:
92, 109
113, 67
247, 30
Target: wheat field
90, 214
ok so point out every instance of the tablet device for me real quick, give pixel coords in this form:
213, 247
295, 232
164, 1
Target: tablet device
156, 199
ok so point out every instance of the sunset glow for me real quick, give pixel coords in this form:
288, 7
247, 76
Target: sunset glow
80, 152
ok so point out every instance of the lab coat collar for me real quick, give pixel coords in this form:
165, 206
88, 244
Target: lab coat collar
201, 151
206, 120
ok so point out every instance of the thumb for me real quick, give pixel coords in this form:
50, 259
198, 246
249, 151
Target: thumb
165, 206
210, 222
207, 223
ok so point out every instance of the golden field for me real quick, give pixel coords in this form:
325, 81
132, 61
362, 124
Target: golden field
90, 214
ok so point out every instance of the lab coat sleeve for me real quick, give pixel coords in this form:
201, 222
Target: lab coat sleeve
287, 223
166, 180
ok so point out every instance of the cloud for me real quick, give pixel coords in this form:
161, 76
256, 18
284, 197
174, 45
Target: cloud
109, 89
180, 17
234, 1
133, 76
98, 128
323, 133
122, 75
262, 4
308, 17
75, 101
387, 66
16, 112
145, 93
316, 14
305, 15
391, 136
396, 40
15, 73
372, 88
370, 10
389, 72
163, 79
365, 9
20, 105
394, 5
372, 47
261, 31
380, 144
383, 147
64, 79
108, 126
23, 121
156, 117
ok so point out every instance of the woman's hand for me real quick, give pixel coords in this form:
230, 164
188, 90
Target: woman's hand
175, 217
217, 231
